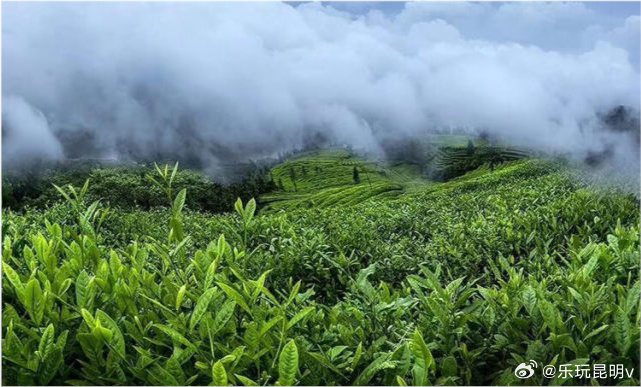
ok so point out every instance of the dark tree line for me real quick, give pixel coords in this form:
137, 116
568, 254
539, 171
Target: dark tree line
128, 187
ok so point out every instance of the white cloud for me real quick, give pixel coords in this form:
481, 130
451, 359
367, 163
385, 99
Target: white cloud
215, 81
25, 134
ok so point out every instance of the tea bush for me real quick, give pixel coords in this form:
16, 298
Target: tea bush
128, 187
455, 284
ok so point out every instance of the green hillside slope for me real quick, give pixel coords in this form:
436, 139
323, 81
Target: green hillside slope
326, 178
454, 283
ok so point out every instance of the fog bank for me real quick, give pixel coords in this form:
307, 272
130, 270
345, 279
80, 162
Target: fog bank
212, 83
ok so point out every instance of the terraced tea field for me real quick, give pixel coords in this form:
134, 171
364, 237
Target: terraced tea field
325, 178
333, 282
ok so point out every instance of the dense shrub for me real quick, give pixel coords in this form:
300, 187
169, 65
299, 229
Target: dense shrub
128, 187
457, 284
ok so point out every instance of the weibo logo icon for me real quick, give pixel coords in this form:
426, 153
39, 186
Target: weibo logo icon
524, 371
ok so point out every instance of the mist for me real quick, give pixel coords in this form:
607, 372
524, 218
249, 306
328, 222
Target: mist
216, 83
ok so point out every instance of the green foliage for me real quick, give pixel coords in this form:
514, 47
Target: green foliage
453, 161
288, 364
457, 283
333, 184
219, 374
129, 188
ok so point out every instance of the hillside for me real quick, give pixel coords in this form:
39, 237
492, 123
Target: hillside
404, 282
326, 178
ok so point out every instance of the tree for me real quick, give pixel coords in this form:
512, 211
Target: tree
292, 176
494, 157
304, 170
470, 148
280, 184
355, 175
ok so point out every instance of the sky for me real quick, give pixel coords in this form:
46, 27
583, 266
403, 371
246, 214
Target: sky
613, 8
568, 27
225, 82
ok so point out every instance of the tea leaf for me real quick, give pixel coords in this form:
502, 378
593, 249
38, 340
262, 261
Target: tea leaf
219, 374
288, 364
201, 307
